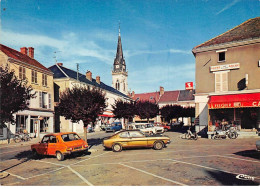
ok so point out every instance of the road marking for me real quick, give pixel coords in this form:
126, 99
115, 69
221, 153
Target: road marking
11, 184
88, 158
80, 176
46, 172
16, 175
239, 159
204, 167
169, 180
50, 163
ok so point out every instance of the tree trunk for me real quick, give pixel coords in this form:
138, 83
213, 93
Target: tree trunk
85, 132
8, 132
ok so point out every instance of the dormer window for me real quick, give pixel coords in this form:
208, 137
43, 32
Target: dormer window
221, 55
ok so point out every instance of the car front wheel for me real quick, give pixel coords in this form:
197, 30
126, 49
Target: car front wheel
158, 145
59, 156
117, 148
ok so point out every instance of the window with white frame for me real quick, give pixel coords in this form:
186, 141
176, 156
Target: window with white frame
44, 100
221, 81
221, 55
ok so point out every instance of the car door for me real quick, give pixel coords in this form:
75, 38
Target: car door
137, 139
51, 150
43, 146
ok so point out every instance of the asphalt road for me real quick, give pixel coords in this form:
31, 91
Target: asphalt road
203, 162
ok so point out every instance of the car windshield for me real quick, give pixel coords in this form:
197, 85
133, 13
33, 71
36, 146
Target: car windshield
70, 137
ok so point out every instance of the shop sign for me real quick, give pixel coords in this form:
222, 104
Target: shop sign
219, 105
225, 67
189, 85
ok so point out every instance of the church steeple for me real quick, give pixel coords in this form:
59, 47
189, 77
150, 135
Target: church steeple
119, 61
119, 73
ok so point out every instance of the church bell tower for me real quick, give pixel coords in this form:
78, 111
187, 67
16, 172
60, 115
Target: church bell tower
119, 73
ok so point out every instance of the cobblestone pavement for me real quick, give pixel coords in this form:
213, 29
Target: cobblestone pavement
203, 162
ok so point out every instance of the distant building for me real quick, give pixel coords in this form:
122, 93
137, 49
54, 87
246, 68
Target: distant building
66, 78
39, 117
119, 73
228, 77
184, 98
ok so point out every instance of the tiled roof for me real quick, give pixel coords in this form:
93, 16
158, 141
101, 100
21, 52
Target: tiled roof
152, 97
169, 96
73, 74
186, 95
247, 30
21, 57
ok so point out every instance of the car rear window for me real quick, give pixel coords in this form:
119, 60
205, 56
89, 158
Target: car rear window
70, 137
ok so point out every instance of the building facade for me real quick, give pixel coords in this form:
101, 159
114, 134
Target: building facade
38, 119
66, 78
184, 98
227, 78
119, 72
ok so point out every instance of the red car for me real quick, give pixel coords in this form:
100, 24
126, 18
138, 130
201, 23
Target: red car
165, 126
59, 145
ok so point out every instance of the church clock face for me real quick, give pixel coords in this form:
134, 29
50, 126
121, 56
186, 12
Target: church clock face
117, 66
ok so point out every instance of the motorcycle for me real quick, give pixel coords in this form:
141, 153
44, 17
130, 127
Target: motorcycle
229, 131
191, 135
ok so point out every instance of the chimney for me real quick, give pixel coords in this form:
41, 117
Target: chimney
60, 64
98, 79
89, 75
161, 91
24, 50
31, 52
133, 93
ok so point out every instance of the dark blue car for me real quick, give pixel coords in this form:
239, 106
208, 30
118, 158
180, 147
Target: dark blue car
116, 126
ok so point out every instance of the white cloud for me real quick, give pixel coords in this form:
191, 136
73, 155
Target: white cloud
173, 51
228, 6
68, 46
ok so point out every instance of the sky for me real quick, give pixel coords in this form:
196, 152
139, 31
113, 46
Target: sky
157, 35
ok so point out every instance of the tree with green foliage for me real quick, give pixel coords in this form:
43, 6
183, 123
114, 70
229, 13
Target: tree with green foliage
171, 111
81, 104
124, 109
146, 109
14, 96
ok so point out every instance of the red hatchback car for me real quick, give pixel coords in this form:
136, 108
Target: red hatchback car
59, 145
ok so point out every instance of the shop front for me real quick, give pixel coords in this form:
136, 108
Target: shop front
242, 110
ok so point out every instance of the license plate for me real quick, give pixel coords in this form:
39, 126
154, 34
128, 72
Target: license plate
76, 148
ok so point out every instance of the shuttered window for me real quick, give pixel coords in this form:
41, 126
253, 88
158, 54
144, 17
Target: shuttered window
49, 101
34, 76
40, 99
44, 80
22, 73
221, 81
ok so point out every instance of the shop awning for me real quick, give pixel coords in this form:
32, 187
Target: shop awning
234, 101
105, 115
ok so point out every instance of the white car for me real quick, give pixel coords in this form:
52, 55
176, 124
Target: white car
147, 128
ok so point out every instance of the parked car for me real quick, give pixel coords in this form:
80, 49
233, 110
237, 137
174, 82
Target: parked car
147, 128
165, 126
257, 144
104, 126
134, 139
59, 145
115, 126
